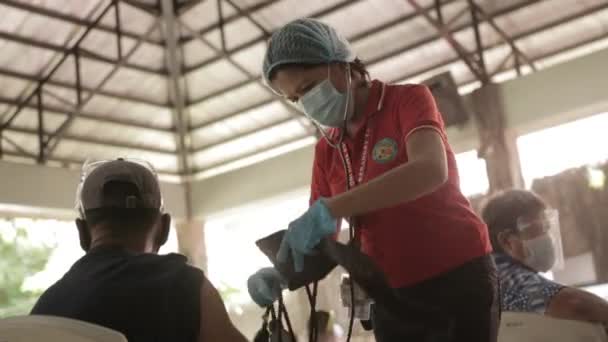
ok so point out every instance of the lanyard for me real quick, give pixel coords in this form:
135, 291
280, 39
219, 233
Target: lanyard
348, 166
352, 182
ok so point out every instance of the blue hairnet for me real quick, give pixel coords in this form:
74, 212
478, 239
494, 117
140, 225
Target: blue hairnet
305, 41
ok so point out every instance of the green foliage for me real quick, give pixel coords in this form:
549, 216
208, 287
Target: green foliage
227, 292
19, 259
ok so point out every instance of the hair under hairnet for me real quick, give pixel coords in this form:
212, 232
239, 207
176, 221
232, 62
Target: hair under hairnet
305, 41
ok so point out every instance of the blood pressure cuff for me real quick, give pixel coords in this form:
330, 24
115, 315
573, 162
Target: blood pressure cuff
362, 270
316, 266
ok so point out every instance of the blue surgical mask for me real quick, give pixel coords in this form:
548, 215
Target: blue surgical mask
326, 105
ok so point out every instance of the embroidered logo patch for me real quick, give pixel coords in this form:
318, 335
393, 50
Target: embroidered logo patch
385, 151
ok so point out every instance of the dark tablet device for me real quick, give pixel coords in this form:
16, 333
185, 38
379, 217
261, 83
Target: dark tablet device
316, 267
412, 313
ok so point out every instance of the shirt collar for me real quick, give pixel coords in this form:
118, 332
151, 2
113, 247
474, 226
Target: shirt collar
375, 98
505, 260
374, 104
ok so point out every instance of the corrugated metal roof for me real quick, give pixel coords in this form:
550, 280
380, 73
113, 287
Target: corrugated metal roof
231, 102
232, 118
246, 121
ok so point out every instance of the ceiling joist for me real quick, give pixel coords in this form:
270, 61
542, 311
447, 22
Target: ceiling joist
179, 29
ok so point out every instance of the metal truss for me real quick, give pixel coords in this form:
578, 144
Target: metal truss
48, 141
178, 33
70, 19
458, 28
243, 156
72, 86
261, 38
358, 38
354, 40
174, 60
474, 60
295, 114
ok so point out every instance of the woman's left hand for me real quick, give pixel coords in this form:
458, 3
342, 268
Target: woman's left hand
265, 286
305, 233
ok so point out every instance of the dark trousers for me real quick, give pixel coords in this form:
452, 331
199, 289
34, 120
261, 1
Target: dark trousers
467, 295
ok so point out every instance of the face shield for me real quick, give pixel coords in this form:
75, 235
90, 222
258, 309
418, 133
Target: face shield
92, 164
542, 241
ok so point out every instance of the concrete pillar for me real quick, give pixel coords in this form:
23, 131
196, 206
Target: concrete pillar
498, 143
191, 242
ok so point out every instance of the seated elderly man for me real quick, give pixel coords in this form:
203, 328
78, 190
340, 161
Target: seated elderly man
525, 238
121, 282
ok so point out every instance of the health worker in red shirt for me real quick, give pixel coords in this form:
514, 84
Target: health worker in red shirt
386, 166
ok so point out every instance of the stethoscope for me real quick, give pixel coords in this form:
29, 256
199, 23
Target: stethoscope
342, 129
347, 165
277, 317
280, 316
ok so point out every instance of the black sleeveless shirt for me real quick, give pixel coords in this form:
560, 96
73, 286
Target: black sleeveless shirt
147, 297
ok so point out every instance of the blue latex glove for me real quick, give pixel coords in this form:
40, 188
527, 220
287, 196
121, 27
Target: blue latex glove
305, 233
265, 285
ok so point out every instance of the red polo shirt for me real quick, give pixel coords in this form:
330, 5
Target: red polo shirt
416, 240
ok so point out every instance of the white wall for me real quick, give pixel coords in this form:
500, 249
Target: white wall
549, 97
51, 191
282, 174
278, 175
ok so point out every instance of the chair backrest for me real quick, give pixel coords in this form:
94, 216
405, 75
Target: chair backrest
54, 329
530, 327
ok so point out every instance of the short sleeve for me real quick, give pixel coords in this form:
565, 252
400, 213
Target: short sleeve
417, 110
532, 293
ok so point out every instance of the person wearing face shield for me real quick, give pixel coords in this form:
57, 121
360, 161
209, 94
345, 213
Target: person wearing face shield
385, 165
526, 240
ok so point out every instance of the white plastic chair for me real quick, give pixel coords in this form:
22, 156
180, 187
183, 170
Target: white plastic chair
54, 329
530, 327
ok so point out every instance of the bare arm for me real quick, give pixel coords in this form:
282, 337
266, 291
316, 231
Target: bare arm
215, 325
575, 304
424, 172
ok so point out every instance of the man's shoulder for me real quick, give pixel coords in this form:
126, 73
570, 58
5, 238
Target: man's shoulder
168, 263
129, 267
104, 275
171, 258
40, 307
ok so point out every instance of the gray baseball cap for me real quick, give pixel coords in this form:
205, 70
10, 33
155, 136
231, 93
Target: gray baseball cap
96, 175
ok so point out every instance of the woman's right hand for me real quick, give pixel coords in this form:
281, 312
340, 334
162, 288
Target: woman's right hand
305, 233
